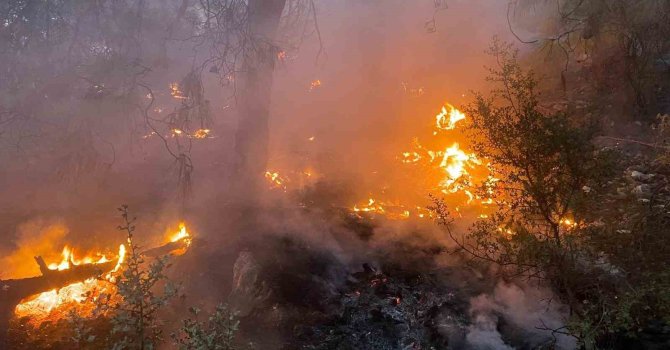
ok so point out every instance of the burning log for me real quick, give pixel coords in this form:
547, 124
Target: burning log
171, 248
12, 291
60, 277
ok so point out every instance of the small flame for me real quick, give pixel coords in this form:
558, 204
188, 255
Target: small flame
182, 234
176, 92
275, 180
201, 133
447, 119
315, 85
281, 56
121, 259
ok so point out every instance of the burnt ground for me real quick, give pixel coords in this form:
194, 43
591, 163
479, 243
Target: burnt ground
408, 293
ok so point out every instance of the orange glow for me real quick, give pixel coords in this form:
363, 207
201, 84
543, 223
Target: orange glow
445, 166
175, 92
315, 85
201, 133
55, 303
392, 211
281, 55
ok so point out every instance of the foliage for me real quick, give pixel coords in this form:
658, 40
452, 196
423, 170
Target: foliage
135, 321
558, 216
541, 163
217, 333
614, 40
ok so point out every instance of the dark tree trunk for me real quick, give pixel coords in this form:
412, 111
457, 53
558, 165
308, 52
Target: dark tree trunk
252, 137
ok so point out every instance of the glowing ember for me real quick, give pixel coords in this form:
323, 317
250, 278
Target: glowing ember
281, 56
276, 181
371, 206
175, 92
393, 211
201, 133
315, 85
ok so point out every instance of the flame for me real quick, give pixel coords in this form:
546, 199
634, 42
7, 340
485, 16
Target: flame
121, 259
176, 92
391, 210
568, 223
371, 206
201, 133
281, 56
182, 234
447, 167
447, 119
45, 305
275, 180
315, 85
454, 163
68, 260
176, 132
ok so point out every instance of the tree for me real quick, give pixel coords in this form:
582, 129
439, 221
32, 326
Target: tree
560, 219
545, 174
218, 333
252, 136
613, 40
541, 163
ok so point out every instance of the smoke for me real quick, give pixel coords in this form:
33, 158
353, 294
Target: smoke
527, 313
385, 70
34, 237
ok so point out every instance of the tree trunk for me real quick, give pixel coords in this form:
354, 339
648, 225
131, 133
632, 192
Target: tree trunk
252, 137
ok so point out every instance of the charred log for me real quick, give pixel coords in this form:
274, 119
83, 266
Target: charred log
167, 249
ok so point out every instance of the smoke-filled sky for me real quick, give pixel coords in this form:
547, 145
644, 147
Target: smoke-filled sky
385, 70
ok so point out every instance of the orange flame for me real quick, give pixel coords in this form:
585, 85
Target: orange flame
41, 306
447, 119
275, 180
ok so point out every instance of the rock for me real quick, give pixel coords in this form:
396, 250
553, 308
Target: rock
642, 190
639, 176
249, 291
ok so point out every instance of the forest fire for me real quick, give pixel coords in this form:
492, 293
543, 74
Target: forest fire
445, 167
364, 174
